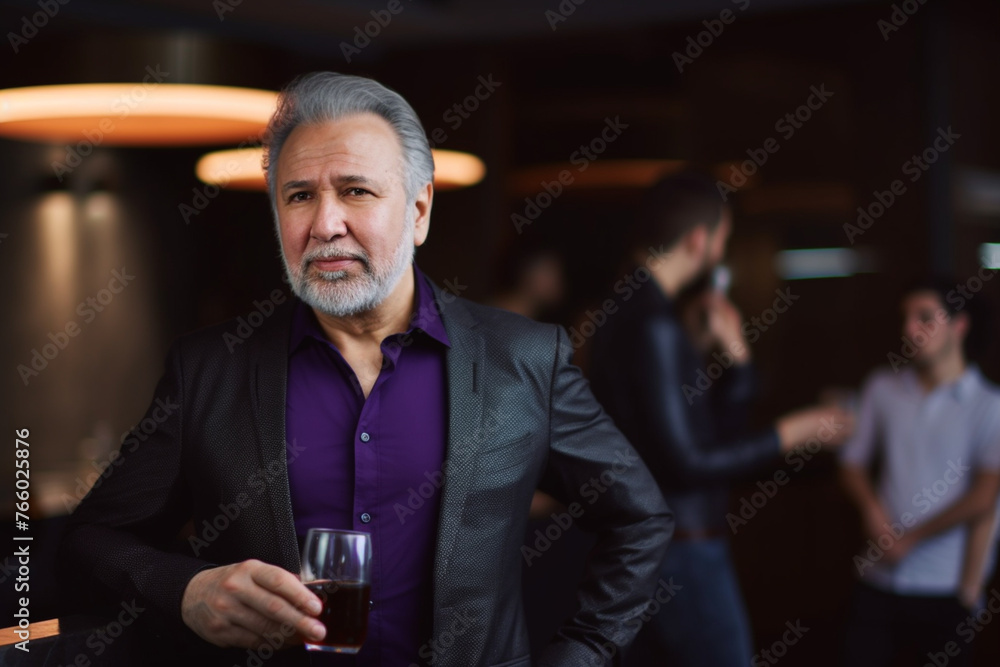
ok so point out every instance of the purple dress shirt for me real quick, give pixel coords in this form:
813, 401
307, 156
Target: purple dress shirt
374, 465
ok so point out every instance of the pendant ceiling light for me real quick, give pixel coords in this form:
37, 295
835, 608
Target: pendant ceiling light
135, 114
240, 168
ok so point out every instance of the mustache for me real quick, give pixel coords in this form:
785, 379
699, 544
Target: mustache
334, 253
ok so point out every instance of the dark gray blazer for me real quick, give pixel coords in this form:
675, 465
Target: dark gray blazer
520, 415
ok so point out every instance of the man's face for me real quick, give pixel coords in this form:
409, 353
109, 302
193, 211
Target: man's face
928, 326
346, 228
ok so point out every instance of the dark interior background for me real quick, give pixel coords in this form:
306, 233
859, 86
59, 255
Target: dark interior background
120, 206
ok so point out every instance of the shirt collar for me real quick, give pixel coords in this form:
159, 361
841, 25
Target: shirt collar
962, 389
966, 386
426, 317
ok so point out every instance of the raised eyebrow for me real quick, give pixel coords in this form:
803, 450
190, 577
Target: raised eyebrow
291, 185
355, 179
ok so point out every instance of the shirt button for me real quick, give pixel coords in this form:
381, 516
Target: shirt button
366, 517
365, 437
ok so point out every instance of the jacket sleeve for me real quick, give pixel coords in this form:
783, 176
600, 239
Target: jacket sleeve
116, 547
603, 481
686, 453
732, 397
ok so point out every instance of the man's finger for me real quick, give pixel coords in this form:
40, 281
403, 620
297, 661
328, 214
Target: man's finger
280, 609
286, 585
250, 619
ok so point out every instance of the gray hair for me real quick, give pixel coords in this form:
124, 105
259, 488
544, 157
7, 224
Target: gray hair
328, 96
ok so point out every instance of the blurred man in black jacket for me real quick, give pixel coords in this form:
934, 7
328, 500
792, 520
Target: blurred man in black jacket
645, 370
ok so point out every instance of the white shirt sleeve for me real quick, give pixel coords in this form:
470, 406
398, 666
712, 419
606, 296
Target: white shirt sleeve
987, 446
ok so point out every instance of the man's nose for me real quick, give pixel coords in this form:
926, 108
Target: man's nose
329, 218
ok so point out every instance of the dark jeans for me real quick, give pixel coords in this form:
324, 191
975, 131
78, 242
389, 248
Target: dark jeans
702, 621
919, 630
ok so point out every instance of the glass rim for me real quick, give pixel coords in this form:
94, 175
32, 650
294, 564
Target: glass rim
336, 530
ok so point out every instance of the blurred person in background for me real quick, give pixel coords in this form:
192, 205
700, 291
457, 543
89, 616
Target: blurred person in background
933, 422
643, 366
530, 281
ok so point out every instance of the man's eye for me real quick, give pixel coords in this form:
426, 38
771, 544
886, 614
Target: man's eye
357, 192
298, 196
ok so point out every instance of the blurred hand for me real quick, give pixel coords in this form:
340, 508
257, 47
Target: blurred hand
237, 605
725, 325
969, 597
829, 425
900, 548
694, 318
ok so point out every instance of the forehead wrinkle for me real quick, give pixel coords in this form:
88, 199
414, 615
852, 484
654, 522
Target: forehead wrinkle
351, 153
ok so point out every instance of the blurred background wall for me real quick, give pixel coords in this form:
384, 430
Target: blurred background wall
558, 73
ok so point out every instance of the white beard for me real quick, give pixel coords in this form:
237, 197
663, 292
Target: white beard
337, 293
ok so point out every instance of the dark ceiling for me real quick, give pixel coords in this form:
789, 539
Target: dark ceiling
318, 27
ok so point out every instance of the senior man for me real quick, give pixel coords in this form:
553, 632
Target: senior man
374, 402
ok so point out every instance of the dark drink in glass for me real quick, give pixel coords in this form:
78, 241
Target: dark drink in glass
345, 613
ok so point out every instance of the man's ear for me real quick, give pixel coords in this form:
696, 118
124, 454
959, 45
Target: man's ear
961, 323
695, 241
422, 218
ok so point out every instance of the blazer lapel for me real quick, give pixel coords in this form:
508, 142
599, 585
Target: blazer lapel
465, 361
268, 380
